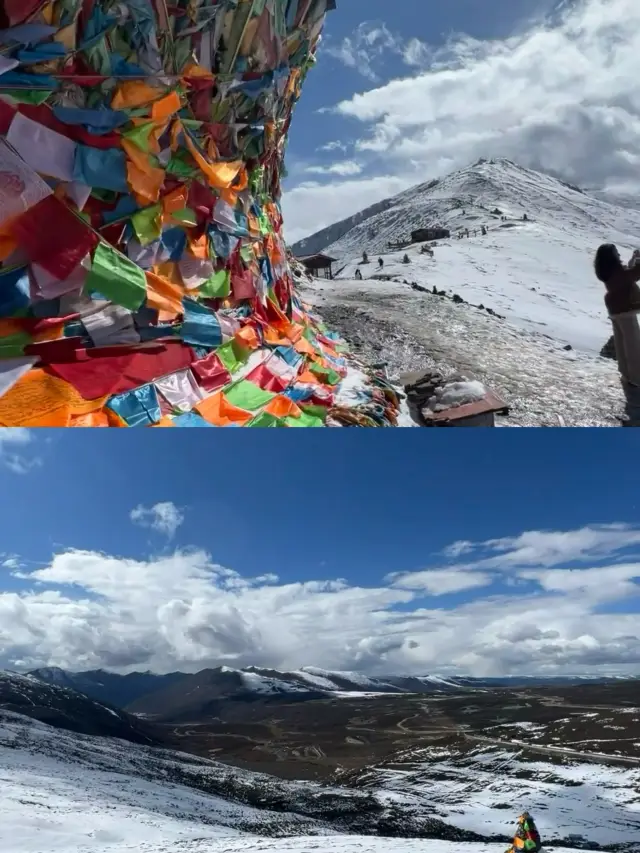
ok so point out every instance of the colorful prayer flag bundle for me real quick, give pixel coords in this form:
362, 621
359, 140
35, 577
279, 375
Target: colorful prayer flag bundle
144, 279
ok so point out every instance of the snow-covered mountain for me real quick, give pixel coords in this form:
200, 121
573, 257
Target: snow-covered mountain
79, 794
535, 272
484, 191
68, 709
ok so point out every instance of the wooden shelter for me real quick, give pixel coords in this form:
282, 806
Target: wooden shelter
435, 233
319, 266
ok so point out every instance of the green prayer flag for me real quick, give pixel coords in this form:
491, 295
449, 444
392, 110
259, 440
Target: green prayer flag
247, 395
246, 253
315, 410
304, 420
12, 346
228, 355
217, 286
140, 135
116, 278
36, 97
182, 165
186, 216
147, 224
325, 373
264, 419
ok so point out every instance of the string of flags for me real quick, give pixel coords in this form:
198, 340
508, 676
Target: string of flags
144, 279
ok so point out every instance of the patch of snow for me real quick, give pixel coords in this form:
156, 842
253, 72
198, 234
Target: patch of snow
456, 394
264, 684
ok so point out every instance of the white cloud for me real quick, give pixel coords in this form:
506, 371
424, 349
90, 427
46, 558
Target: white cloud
10, 458
311, 206
344, 168
86, 610
551, 547
333, 146
368, 44
561, 96
441, 581
164, 517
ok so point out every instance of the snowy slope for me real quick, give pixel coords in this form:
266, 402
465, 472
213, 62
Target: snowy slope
473, 790
536, 273
62, 792
69, 709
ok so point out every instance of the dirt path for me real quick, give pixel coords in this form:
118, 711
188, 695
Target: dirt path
409, 330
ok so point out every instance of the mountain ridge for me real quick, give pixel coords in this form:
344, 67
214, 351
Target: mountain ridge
461, 199
176, 693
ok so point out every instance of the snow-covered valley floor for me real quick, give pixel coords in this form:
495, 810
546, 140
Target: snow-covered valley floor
60, 791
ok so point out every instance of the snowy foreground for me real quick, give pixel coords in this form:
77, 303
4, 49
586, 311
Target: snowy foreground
65, 792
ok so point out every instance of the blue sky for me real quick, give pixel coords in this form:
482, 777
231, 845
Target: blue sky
412, 90
346, 550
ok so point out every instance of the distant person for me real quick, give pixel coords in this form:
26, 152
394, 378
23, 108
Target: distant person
358, 275
622, 299
380, 263
365, 258
527, 837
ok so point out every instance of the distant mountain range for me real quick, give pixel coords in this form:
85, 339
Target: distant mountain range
177, 696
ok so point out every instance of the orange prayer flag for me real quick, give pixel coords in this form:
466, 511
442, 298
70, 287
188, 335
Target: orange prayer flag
195, 70
169, 270
283, 407
134, 93
50, 334
230, 196
242, 181
40, 400
247, 337
308, 378
93, 419
165, 421
217, 410
274, 337
175, 200
198, 246
303, 346
163, 295
219, 175
166, 107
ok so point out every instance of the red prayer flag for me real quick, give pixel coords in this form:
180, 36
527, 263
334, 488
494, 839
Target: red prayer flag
54, 237
210, 372
18, 11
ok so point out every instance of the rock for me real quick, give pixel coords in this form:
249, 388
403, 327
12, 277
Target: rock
458, 299
568, 348
609, 349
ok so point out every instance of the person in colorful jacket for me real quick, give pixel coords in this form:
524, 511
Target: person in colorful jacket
527, 837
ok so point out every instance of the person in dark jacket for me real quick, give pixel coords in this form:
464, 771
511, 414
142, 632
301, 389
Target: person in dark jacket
622, 299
